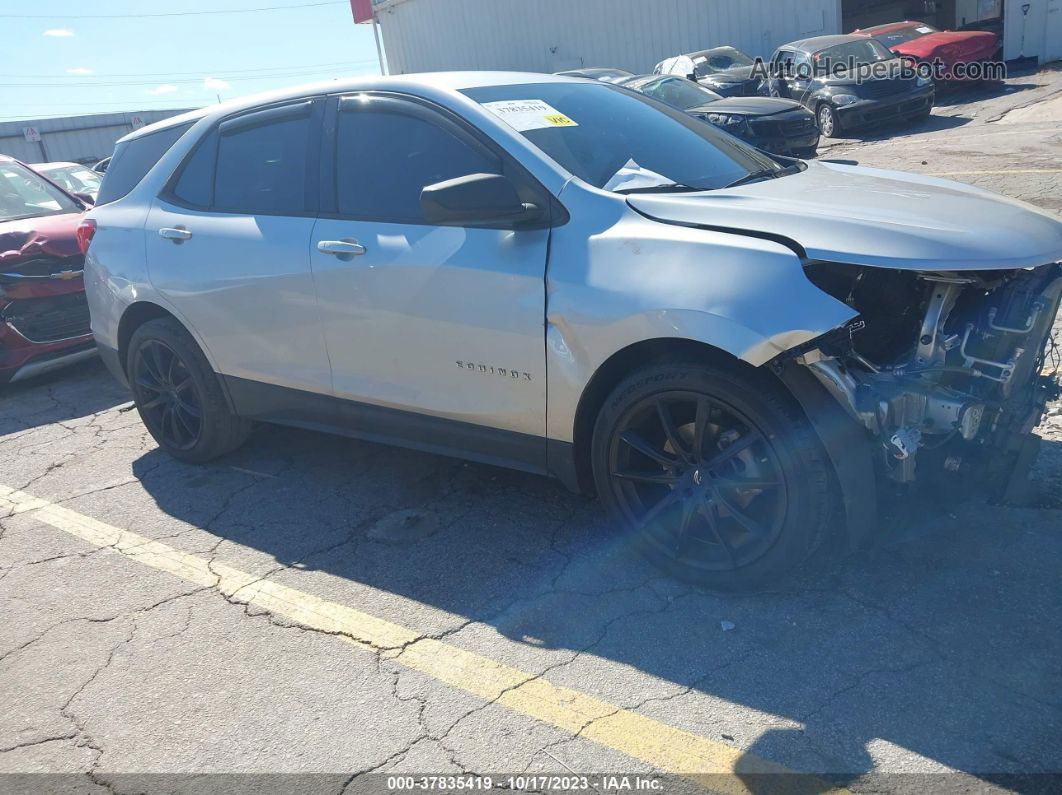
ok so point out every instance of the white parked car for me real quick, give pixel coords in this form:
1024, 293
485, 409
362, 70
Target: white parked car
571, 278
71, 177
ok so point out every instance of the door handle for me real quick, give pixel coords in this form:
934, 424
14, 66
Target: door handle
177, 234
347, 248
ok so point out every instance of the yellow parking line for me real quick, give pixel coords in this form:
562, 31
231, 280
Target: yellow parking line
1004, 171
665, 747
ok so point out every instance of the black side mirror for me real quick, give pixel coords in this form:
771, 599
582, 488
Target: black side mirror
476, 198
85, 198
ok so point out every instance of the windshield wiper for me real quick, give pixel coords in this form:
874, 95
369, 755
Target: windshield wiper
665, 187
764, 173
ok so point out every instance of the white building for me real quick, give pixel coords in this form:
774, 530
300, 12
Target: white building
77, 139
554, 35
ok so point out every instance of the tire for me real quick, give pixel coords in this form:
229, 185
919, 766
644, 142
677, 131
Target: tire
683, 511
178, 395
829, 122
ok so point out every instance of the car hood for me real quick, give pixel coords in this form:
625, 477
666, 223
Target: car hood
864, 216
748, 106
965, 43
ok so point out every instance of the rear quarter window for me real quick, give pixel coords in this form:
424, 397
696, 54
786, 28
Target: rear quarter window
132, 160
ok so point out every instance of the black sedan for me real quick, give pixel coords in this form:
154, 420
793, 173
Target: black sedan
849, 82
774, 125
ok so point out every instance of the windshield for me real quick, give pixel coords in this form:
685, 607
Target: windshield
850, 55
617, 139
896, 37
23, 194
721, 59
676, 91
76, 179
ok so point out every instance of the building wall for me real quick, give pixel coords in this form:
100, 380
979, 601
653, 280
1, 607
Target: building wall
553, 35
73, 138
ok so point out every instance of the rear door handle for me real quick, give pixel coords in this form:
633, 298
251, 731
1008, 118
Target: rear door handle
177, 234
345, 249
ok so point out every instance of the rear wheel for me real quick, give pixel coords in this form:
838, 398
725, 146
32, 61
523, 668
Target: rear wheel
715, 471
178, 395
829, 123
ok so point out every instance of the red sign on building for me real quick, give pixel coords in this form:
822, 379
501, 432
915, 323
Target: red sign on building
362, 10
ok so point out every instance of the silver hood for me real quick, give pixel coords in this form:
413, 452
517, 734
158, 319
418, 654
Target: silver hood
866, 216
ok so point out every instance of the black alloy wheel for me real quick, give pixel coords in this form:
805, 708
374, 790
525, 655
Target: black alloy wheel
703, 483
169, 401
714, 471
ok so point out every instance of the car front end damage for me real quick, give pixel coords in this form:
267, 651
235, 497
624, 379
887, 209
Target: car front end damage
948, 373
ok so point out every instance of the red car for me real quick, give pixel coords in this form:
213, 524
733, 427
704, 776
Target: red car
44, 318
926, 44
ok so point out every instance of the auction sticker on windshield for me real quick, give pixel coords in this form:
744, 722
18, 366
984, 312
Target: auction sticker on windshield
528, 114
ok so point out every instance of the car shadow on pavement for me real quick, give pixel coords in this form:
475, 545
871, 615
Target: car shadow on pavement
933, 123
940, 640
964, 95
86, 389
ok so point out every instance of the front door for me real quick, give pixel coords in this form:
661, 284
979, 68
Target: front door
444, 322
229, 247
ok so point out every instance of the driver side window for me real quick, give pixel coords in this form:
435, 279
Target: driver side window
385, 157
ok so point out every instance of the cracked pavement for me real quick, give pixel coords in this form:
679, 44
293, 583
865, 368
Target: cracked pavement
935, 652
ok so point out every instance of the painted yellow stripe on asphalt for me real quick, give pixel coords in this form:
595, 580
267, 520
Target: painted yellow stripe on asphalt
665, 747
996, 173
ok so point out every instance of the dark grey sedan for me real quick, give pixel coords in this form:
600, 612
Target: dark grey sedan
775, 125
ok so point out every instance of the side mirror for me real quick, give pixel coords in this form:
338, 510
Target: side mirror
476, 198
85, 198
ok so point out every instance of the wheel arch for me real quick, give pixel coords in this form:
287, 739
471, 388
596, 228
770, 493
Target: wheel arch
134, 316
612, 371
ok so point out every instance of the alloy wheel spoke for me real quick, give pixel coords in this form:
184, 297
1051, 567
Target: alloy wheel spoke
671, 432
700, 427
738, 515
657, 510
150, 385
638, 443
712, 517
154, 404
663, 478
741, 444
689, 508
747, 483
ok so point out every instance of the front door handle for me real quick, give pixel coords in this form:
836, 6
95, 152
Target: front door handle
177, 234
344, 249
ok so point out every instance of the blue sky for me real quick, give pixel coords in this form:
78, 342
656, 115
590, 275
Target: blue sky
77, 62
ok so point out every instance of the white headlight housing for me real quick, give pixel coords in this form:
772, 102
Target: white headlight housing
726, 121
922, 81
840, 100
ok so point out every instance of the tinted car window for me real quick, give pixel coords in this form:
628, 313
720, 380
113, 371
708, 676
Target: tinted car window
677, 91
132, 160
195, 184
384, 159
604, 133
263, 168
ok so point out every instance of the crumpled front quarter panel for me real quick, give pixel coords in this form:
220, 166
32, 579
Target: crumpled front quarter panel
616, 278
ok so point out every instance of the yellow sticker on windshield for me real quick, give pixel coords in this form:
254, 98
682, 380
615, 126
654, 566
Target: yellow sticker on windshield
529, 114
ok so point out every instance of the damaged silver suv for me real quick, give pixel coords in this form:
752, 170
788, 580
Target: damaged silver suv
734, 350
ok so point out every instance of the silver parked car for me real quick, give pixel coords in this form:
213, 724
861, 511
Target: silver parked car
570, 278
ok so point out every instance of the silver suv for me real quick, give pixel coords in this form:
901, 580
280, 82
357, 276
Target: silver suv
734, 350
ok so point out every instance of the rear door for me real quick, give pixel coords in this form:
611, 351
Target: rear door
440, 321
228, 245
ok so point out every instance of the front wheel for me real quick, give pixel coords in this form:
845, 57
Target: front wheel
829, 123
715, 471
178, 395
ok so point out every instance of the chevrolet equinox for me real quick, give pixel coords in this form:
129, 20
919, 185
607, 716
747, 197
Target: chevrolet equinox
732, 349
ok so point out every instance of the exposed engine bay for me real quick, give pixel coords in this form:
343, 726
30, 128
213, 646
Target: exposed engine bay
949, 372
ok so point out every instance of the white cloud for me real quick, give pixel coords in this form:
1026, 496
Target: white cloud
59, 32
165, 88
79, 70
215, 83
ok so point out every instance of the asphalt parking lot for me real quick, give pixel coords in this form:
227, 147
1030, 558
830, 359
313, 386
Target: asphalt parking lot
312, 604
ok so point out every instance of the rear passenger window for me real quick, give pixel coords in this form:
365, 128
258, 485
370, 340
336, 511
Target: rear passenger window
262, 167
195, 185
132, 160
385, 159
